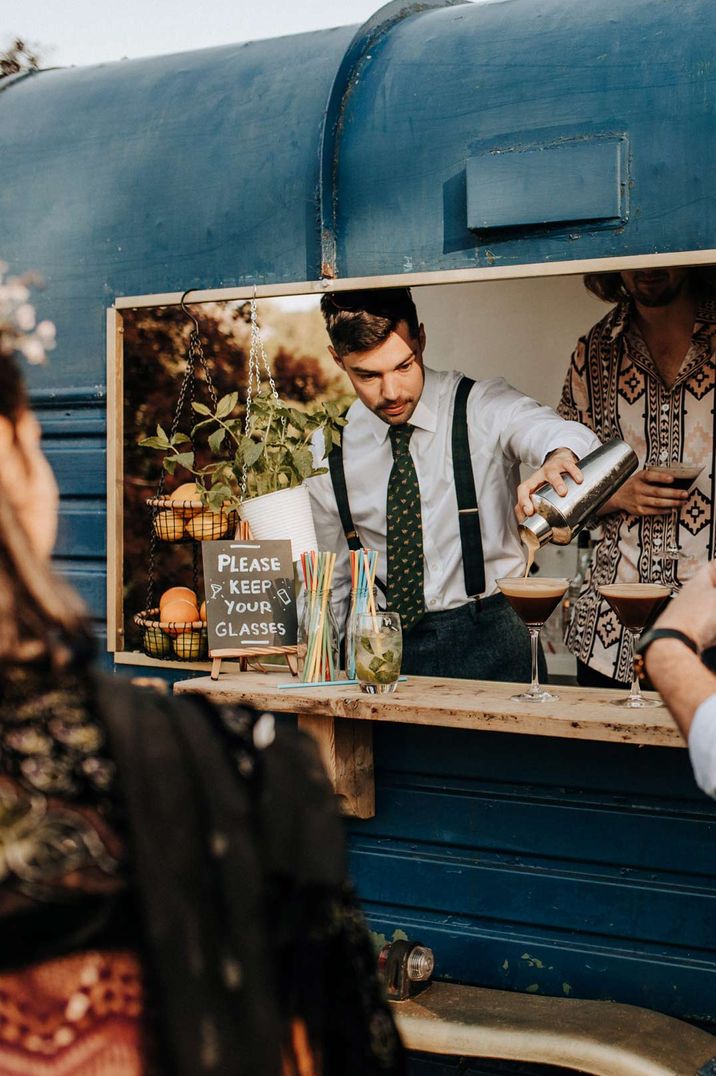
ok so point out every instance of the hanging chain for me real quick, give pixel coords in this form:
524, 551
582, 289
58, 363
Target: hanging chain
258, 363
195, 356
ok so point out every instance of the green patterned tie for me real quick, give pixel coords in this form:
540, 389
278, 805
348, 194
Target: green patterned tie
405, 532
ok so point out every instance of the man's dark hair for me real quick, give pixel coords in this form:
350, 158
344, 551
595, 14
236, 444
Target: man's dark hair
609, 286
362, 320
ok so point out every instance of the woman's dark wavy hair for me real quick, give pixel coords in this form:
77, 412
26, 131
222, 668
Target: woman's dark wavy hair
609, 286
39, 614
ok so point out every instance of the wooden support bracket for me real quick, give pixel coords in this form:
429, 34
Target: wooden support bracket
346, 749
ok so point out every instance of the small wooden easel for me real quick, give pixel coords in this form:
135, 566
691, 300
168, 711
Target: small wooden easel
252, 659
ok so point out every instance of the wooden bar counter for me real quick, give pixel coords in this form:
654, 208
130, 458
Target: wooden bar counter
339, 717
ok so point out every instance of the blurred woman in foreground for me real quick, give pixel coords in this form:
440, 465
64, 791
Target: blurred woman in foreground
172, 880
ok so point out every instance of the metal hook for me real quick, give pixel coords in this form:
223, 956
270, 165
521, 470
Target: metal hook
187, 311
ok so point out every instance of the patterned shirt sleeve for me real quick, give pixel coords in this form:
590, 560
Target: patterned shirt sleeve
575, 404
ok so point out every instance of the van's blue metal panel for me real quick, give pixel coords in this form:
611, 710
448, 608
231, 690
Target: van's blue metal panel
198, 170
529, 863
553, 866
447, 84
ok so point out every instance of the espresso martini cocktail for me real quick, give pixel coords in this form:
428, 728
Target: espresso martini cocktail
683, 476
636, 604
534, 600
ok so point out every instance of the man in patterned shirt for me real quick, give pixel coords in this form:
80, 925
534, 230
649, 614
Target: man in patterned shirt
645, 373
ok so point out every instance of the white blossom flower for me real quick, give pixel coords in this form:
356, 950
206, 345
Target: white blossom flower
25, 317
32, 349
18, 330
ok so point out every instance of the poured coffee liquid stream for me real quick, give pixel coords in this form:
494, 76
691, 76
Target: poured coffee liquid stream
531, 542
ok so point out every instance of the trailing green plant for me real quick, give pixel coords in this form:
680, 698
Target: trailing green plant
274, 454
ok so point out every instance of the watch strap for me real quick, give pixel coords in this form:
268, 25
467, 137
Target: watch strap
652, 634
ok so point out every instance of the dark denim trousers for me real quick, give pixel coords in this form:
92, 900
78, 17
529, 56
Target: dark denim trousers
483, 640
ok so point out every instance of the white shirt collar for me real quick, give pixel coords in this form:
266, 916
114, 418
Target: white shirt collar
424, 417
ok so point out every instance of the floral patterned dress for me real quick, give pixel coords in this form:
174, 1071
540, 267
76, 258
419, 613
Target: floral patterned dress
96, 977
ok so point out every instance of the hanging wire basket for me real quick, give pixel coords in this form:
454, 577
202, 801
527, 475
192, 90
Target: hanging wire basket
182, 520
190, 521
171, 639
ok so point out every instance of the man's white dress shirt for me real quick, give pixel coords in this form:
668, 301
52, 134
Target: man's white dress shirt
702, 746
505, 427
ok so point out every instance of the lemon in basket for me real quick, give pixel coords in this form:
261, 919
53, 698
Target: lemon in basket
186, 492
156, 643
190, 646
207, 526
169, 526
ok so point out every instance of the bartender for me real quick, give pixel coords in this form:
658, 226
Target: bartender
421, 450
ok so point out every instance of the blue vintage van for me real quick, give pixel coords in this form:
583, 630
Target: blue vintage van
441, 143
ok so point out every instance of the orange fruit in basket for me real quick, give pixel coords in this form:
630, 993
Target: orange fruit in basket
202, 611
207, 526
178, 593
169, 526
178, 612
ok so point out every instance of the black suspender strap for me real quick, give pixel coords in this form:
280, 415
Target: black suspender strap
473, 561
468, 513
338, 478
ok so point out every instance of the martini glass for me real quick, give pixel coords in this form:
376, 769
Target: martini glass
635, 605
684, 476
534, 600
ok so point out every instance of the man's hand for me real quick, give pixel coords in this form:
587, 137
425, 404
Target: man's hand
693, 611
647, 493
560, 461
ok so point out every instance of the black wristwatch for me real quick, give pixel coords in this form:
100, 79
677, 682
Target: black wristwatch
651, 636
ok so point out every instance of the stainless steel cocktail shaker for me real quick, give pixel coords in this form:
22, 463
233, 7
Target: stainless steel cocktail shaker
557, 519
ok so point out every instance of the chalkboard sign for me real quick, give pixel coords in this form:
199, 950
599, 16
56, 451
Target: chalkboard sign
250, 596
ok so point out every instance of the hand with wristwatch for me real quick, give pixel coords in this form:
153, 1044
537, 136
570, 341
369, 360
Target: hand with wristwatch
689, 619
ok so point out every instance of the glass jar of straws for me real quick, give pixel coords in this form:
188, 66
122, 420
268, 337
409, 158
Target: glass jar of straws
363, 593
318, 636
318, 639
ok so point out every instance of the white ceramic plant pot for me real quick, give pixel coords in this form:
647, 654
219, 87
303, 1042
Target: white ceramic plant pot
283, 514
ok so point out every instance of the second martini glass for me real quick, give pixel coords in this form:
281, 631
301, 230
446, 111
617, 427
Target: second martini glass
534, 600
684, 475
635, 604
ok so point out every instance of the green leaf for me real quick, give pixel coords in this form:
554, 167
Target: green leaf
181, 439
185, 459
226, 404
204, 422
201, 409
252, 453
375, 664
302, 459
327, 441
299, 419
153, 442
170, 464
161, 434
216, 438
